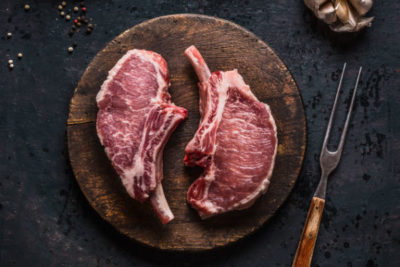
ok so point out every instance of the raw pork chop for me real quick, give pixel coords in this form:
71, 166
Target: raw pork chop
235, 143
134, 121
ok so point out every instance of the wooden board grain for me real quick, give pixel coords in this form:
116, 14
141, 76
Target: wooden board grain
224, 46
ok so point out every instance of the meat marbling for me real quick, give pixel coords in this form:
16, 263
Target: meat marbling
134, 121
235, 143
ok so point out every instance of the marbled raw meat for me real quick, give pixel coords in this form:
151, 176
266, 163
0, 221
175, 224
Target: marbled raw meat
235, 143
134, 121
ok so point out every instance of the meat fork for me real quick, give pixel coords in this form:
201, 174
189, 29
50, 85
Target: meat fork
328, 161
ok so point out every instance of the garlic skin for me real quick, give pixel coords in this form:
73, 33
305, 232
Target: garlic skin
342, 15
362, 6
328, 13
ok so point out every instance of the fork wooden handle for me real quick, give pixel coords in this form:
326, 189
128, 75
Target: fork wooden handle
309, 235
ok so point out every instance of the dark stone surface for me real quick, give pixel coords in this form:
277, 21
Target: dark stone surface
46, 221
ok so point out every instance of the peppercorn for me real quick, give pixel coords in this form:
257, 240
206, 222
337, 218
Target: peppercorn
63, 3
9, 34
83, 9
74, 44
27, 7
68, 17
86, 21
73, 27
60, 7
19, 55
82, 3
62, 13
79, 24
75, 21
70, 49
11, 66
10, 61
76, 9
71, 32
88, 30
90, 25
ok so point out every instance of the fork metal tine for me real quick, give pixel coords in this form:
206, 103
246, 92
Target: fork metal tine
328, 129
346, 125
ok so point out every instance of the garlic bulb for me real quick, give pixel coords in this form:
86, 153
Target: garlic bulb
342, 15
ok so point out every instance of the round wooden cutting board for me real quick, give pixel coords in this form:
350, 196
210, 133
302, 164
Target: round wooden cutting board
225, 46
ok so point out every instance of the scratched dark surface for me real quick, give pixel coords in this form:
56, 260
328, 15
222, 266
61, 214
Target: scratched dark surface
46, 221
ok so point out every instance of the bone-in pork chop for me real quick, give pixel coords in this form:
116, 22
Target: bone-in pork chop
134, 121
235, 143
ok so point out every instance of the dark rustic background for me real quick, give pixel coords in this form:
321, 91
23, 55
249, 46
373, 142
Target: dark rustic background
46, 221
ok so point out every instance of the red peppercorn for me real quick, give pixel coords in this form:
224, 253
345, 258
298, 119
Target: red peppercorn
75, 21
83, 9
